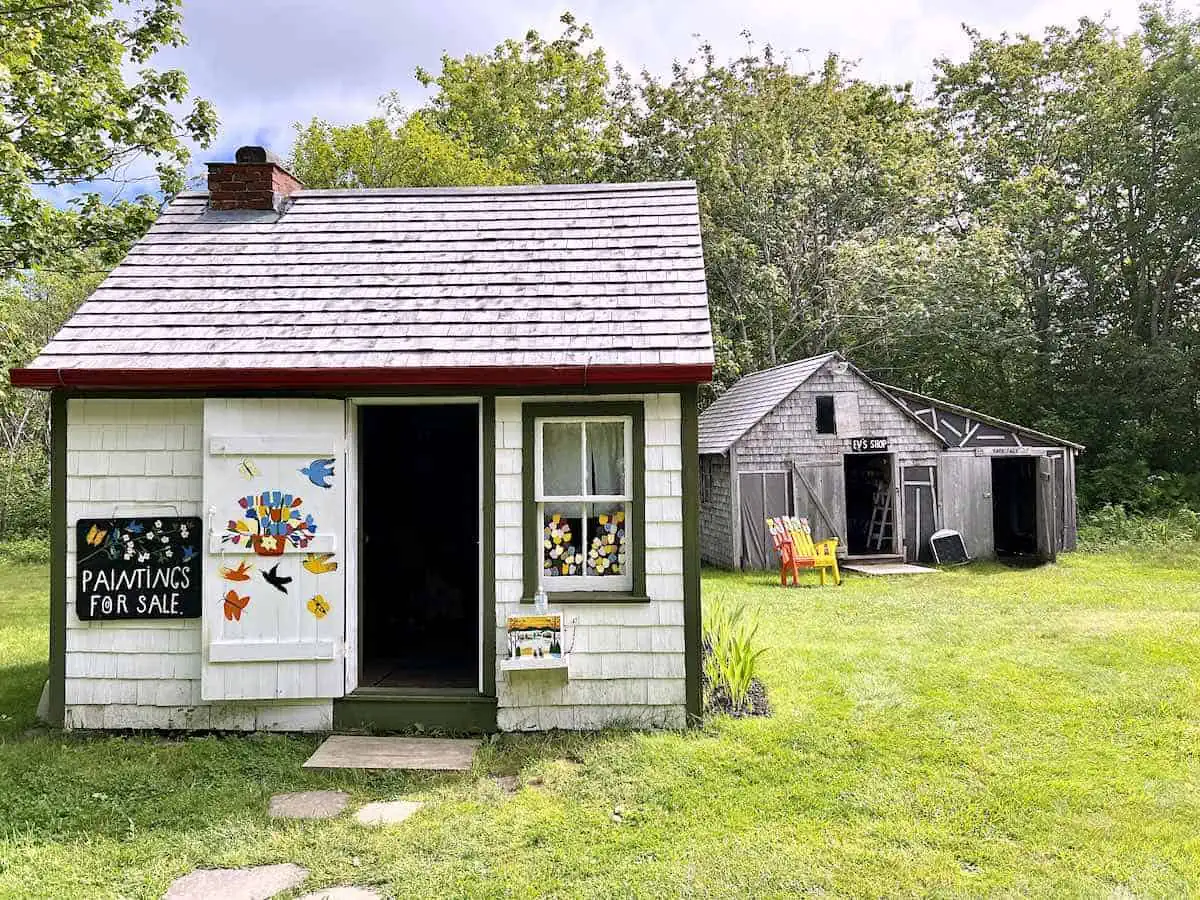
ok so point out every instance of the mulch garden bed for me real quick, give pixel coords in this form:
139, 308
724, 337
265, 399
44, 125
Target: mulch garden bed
716, 699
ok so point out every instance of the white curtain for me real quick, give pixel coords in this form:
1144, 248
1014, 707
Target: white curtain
561, 448
606, 458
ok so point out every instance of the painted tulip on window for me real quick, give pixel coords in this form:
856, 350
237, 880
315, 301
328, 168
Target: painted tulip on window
607, 553
560, 549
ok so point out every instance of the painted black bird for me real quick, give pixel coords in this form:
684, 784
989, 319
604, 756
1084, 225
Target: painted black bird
275, 580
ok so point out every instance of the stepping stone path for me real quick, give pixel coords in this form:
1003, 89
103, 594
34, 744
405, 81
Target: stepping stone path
255, 883
387, 812
308, 805
349, 892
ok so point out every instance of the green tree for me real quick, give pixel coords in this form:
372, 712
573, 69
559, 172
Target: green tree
1082, 148
789, 166
74, 112
377, 153
33, 306
534, 106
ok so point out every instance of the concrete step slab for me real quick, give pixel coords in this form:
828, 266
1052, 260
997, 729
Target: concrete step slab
351, 751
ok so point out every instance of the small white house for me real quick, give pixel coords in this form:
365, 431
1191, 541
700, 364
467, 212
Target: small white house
316, 451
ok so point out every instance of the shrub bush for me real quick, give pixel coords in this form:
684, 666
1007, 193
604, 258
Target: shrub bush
1111, 527
24, 493
31, 550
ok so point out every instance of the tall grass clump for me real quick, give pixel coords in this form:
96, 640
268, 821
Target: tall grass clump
731, 660
1112, 527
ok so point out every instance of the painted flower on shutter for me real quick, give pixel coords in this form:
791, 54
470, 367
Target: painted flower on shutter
271, 521
319, 606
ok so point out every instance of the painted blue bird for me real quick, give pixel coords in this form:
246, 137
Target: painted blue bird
319, 471
189, 553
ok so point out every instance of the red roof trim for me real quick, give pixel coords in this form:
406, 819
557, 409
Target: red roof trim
374, 377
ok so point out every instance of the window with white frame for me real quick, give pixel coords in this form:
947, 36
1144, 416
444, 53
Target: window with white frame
583, 494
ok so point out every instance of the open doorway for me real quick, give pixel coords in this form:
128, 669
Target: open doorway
1014, 506
419, 546
870, 504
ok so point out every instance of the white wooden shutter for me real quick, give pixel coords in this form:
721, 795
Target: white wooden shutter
279, 648
846, 414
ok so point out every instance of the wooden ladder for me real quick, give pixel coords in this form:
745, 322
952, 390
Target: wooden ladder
881, 518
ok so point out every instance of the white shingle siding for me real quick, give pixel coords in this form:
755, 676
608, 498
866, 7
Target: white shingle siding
626, 660
134, 458
144, 457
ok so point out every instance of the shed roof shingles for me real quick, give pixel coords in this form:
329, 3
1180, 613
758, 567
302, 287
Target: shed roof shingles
573, 275
737, 410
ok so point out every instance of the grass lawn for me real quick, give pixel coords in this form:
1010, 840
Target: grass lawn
981, 731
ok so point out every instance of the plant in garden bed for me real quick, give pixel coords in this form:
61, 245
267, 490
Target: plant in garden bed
731, 660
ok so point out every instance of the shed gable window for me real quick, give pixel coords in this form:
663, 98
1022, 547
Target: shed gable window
826, 418
584, 467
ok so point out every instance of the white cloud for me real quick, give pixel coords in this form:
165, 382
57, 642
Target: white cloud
268, 63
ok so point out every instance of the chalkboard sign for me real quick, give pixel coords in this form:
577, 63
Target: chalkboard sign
145, 568
948, 548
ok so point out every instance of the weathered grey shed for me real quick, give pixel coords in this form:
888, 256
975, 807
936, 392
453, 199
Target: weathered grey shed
315, 452
998, 478
879, 468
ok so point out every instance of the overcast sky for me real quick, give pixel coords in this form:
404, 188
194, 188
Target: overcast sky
268, 63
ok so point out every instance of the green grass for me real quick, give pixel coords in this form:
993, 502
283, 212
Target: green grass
982, 731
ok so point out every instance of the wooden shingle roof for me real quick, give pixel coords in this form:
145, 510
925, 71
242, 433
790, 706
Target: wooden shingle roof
742, 406
963, 427
541, 284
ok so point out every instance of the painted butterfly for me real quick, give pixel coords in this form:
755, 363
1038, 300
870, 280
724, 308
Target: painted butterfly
234, 605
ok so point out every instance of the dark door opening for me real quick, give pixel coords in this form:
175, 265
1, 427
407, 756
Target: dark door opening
1014, 505
870, 504
419, 550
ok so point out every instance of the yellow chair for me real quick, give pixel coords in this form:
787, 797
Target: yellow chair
793, 540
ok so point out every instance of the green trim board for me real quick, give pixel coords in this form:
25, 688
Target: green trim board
488, 543
692, 636
383, 710
532, 542
58, 559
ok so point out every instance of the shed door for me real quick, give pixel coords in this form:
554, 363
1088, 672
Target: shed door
920, 512
821, 498
274, 491
1047, 518
966, 501
762, 495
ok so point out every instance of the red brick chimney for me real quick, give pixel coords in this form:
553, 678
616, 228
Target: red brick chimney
257, 180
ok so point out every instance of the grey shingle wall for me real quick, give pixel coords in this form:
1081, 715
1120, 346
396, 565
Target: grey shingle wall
529, 276
790, 431
716, 512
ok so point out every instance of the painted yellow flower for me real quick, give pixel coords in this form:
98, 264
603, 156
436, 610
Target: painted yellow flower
319, 606
269, 542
